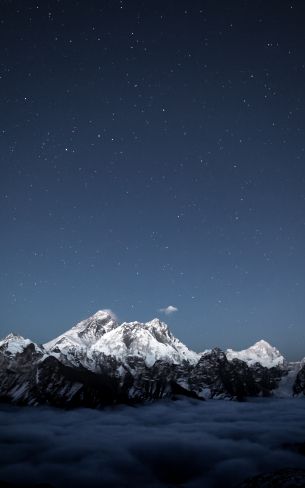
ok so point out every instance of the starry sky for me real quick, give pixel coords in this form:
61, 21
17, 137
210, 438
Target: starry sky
152, 155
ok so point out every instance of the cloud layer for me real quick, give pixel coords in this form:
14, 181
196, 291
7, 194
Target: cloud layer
191, 443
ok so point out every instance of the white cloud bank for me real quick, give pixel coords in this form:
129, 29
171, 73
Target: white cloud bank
184, 443
169, 310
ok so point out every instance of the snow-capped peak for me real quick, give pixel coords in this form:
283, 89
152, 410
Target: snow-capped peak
105, 314
261, 352
100, 318
14, 343
12, 336
156, 323
151, 341
84, 334
158, 329
262, 344
101, 333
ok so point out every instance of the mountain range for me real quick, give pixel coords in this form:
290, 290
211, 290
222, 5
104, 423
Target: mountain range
100, 361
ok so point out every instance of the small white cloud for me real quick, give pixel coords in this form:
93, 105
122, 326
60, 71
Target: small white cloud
169, 310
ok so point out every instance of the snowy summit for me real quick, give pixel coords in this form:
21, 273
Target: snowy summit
101, 333
261, 352
13, 344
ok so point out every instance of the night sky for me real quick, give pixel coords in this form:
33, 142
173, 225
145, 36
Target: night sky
153, 154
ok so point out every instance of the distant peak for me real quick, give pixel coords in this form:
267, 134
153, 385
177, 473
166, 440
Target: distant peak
261, 352
154, 322
262, 343
85, 333
102, 314
157, 324
12, 336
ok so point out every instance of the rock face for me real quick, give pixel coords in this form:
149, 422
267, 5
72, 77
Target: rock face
100, 361
215, 377
299, 384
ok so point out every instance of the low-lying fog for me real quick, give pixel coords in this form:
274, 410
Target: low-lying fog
192, 443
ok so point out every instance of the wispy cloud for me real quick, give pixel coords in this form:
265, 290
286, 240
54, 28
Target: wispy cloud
112, 313
169, 310
105, 311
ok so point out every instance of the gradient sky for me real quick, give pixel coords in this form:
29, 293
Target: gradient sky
152, 154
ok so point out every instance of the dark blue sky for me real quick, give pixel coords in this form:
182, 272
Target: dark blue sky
152, 154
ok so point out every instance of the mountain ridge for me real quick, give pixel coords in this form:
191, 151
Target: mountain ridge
89, 332
100, 361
